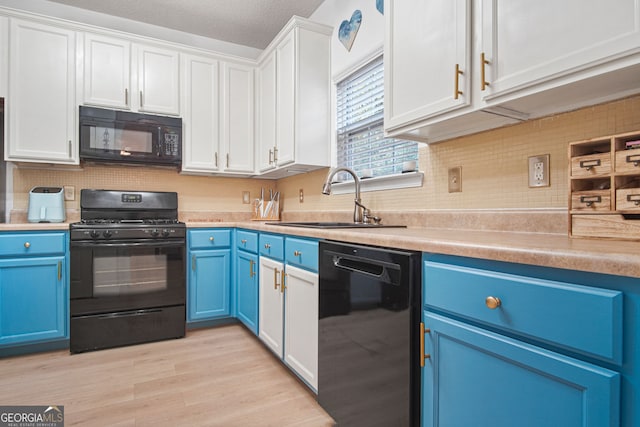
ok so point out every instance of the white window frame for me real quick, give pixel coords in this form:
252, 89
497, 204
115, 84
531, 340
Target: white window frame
387, 182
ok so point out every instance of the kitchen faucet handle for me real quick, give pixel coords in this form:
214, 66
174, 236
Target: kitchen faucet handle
368, 217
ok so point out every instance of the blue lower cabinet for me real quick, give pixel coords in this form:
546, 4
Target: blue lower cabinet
247, 289
33, 300
209, 284
474, 377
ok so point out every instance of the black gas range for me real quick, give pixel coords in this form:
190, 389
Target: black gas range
128, 279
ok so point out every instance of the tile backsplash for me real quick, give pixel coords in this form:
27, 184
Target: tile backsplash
494, 172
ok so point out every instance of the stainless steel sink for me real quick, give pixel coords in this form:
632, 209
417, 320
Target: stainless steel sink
333, 225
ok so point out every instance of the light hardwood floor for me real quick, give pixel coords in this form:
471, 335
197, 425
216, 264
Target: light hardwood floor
214, 377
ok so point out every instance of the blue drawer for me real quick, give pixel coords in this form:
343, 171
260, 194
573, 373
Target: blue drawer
25, 244
575, 317
272, 246
302, 253
247, 240
209, 238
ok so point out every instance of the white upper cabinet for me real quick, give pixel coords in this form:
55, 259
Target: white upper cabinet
201, 114
452, 69
294, 76
107, 71
238, 117
266, 112
158, 80
150, 85
41, 104
590, 49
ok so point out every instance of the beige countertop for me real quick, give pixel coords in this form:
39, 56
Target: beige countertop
548, 250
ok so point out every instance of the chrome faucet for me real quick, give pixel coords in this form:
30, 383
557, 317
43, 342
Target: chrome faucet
358, 209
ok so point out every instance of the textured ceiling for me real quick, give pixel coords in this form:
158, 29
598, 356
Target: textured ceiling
247, 22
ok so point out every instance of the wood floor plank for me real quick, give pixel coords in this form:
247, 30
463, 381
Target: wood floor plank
214, 377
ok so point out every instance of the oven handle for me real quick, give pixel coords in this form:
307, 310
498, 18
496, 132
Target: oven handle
135, 244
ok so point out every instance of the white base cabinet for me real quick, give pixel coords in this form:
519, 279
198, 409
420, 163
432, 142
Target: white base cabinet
301, 323
271, 300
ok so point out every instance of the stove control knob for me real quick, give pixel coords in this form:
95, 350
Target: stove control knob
155, 232
165, 233
94, 234
107, 234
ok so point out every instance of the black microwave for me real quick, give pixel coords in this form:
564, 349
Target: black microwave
127, 137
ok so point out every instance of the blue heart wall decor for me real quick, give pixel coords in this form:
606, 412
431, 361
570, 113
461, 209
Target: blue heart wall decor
348, 29
380, 6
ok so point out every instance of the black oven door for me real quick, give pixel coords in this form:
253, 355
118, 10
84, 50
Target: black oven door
120, 276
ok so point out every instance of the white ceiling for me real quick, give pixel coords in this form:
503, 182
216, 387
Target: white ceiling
246, 22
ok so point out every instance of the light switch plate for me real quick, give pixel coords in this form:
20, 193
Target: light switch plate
455, 179
539, 171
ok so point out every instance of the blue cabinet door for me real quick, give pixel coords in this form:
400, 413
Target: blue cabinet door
209, 284
247, 289
33, 300
479, 378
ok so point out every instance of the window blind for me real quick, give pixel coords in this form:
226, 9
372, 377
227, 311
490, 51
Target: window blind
360, 118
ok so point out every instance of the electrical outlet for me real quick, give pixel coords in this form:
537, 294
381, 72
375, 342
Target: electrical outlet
455, 179
69, 192
246, 197
301, 195
539, 171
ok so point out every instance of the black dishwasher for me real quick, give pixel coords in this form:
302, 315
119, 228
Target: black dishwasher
368, 337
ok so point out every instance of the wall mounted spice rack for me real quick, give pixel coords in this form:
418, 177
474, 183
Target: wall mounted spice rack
604, 187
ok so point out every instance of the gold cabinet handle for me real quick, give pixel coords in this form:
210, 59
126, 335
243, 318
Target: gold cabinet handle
270, 156
211, 239
126, 96
457, 91
27, 245
275, 278
492, 302
275, 154
227, 160
141, 103
193, 262
283, 275
59, 270
244, 242
423, 356
216, 158
252, 272
297, 253
267, 246
483, 79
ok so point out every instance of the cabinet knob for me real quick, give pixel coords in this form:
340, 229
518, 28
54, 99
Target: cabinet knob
267, 246
492, 302
211, 239
27, 245
243, 241
297, 253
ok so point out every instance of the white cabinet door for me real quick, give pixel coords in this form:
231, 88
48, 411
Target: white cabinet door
271, 312
237, 116
41, 104
158, 80
528, 43
200, 114
426, 41
286, 101
107, 71
301, 323
266, 113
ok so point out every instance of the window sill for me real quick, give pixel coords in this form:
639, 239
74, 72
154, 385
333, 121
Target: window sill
389, 182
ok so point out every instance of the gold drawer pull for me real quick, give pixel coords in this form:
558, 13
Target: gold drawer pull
492, 302
243, 241
275, 278
283, 277
589, 164
590, 200
252, 272
635, 159
267, 246
423, 356
27, 245
297, 253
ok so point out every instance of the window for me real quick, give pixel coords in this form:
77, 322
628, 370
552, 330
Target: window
361, 144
